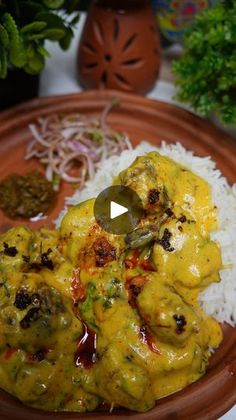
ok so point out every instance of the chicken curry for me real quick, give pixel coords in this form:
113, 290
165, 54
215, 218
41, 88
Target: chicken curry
89, 319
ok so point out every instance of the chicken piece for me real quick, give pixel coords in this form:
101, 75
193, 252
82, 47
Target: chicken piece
185, 257
122, 381
14, 246
166, 313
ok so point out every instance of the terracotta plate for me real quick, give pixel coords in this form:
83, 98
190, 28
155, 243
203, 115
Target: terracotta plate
141, 118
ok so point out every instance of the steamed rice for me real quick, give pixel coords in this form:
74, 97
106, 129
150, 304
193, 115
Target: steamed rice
219, 299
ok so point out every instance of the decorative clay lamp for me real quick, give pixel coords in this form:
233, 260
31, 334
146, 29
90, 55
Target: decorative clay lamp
120, 46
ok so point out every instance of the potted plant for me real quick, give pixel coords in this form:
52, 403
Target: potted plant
25, 25
206, 74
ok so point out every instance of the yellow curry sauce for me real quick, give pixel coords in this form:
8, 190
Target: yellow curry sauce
90, 318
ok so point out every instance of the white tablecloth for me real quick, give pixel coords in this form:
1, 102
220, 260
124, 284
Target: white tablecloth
59, 77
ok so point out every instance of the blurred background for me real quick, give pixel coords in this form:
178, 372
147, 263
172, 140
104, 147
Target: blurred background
179, 51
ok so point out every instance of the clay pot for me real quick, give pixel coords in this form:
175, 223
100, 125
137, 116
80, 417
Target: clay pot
120, 46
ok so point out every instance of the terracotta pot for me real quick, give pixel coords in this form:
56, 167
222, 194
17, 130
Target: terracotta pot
120, 46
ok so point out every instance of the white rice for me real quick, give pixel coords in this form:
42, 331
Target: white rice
219, 299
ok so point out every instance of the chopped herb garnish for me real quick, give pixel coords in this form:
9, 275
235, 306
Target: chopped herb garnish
107, 303
5, 287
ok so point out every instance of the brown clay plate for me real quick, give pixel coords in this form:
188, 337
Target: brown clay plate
141, 118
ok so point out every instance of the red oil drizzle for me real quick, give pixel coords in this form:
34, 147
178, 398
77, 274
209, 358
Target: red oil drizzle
9, 353
147, 338
134, 262
86, 348
146, 265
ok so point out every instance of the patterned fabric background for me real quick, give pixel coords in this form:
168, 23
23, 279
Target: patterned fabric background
175, 15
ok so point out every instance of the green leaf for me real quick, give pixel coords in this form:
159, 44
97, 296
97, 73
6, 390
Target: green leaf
75, 19
54, 34
53, 4
43, 51
3, 64
30, 50
35, 64
52, 20
71, 5
35, 37
66, 40
11, 28
18, 55
26, 24
4, 38
33, 27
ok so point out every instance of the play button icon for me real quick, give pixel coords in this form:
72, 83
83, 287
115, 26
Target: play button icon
118, 209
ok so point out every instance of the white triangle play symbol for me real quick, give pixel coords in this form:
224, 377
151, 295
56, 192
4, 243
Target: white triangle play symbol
117, 210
